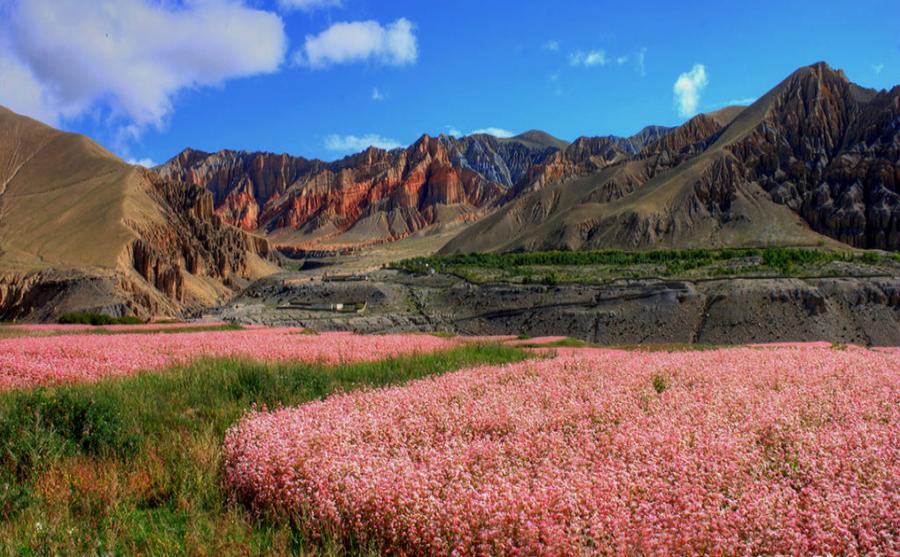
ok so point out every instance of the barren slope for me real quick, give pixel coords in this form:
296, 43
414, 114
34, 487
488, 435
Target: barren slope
71, 214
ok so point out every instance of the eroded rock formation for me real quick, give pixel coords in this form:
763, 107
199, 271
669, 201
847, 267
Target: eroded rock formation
823, 148
82, 230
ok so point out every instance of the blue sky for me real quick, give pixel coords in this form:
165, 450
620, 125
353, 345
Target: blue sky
152, 77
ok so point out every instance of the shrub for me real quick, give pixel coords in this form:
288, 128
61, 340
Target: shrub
660, 383
871, 258
672, 261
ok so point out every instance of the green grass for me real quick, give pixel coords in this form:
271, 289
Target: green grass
87, 318
12, 332
667, 347
563, 343
660, 383
165, 330
131, 466
551, 268
570, 342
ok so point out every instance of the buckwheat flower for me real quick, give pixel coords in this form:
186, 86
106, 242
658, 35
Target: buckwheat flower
766, 450
31, 361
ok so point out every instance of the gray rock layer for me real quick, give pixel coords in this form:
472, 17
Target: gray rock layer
864, 311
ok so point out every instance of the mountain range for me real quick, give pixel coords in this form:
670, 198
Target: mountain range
815, 161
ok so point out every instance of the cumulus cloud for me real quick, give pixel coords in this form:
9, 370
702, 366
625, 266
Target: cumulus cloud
353, 143
393, 44
376, 95
688, 88
588, 59
496, 132
21, 91
552, 46
307, 5
129, 58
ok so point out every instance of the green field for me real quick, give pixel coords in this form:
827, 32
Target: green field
597, 266
131, 466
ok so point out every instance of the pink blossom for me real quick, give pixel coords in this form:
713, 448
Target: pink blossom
736, 451
31, 361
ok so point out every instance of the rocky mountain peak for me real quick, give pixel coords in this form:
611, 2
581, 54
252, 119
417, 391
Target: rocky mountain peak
817, 143
823, 71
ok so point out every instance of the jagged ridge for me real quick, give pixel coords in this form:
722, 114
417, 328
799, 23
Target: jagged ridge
815, 158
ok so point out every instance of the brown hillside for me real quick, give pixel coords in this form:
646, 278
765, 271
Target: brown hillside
72, 214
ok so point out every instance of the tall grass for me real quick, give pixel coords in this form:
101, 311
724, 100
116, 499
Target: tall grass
88, 318
131, 466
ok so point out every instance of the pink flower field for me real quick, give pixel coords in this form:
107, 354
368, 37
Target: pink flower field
741, 451
44, 360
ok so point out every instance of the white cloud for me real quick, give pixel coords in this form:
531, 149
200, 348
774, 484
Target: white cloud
307, 5
552, 46
688, 88
354, 143
621, 60
357, 41
878, 68
741, 102
21, 92
496, 132
64, 58
146, 163
595, 58
376, 95
588, 59
641, 56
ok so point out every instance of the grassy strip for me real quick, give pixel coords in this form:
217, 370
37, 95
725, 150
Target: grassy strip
88, 318
11, 332
570, 342
667, 262
131, 466
563, 343
165, 330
